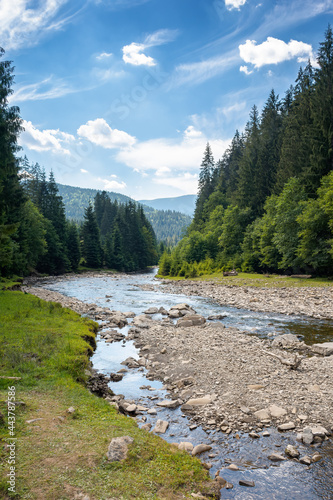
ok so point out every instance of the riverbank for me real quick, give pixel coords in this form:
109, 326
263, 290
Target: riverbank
57, 434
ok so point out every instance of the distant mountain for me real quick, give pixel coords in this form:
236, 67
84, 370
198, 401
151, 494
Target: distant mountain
168, 224
184, 204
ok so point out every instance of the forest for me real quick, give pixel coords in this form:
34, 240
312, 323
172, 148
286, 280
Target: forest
35, 235
267, 205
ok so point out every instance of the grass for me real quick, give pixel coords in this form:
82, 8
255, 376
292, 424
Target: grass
62, 455
259, 280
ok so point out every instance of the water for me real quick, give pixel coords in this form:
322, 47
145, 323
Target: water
287, 480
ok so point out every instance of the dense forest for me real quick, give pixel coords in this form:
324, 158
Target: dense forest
34, 232
167, 224
267, 204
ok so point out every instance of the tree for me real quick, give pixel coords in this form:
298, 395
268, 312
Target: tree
91, 245
206, 186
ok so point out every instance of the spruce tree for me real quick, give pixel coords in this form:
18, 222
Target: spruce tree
91, 245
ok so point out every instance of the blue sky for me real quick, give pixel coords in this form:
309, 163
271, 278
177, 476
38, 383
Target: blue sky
124, 94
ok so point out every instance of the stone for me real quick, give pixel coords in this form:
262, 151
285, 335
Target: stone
307, 436
161, 426
277, 411
256, 387
292, 451
151, 310
152, 411
191, 320
306, 460
146, 427
325, 348
229, 486
130, 362
254, 435
180, 307
276, 457
169, 403
320, 431
118, 448
71, 410
221, 481
206, 400
266, 434
286, 340
243, 482
316, 457
131, 408
233, 467
186, 446
200, 448
262, 414
286, 427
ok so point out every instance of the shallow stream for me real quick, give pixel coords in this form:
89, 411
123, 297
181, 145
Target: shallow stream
287, 480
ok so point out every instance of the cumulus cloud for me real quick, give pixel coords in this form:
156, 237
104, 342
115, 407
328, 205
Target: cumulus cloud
22, 24
45, 140
274, 51
133, 53
100, 133
234, 4
111, 185
245, 70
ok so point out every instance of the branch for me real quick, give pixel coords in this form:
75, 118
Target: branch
293, 365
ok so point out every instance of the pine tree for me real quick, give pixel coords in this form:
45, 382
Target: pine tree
91, 245
206, 186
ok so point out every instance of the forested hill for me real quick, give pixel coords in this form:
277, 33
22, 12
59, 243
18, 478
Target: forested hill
267, 204
167, 224
184, 204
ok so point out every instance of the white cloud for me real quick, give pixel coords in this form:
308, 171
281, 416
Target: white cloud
164, 155
22, 24
274, 51
99, 132
104, 56
187, 183
84, 171
45, 140
46, 89
245, 70
234, 4
111, 185
133, 53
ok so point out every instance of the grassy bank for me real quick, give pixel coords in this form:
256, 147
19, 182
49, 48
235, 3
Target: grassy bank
258, 280
62, 455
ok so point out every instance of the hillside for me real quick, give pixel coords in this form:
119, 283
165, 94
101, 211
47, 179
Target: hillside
184, 204
168, 224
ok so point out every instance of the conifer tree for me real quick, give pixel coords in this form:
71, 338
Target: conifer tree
91, 245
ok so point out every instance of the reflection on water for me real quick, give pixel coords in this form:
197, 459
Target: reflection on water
287, 481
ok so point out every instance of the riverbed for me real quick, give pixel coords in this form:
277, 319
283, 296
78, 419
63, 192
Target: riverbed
241, 331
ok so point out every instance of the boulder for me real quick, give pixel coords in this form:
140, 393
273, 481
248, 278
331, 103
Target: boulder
276, 457
325, 348
307, 436
169, 403
276, 411
206, 400
186, 446
161, 426
286, 340
200, 448
262, 414
151, 310
286, 427
292, 451
191, 320
118, 448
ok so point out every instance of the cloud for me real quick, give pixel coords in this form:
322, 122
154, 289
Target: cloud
187, 183
104, 56
22, 24
198, 72
99, 132
274, 51
234, 4
111, 185
245, 70
46, 89
170, 155
133, 53
45, 140
84, 171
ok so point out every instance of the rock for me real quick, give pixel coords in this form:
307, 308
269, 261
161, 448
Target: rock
221, 481
130, 362
71, 410
262, 414
169, 403
175, 314
229, 486
206, 400
151, 310
186, 446
161, 426
320, 431
191, 320
266, 434
277, 411
233, 467
146, 427
306, 460
276, 457
129, 314
131, 408
307, 436
254, 435
286, 427
180, 307
116, 377
286, 340
118, 448
152, 411
316, 457
292, 451
256, 387
200, 448
325, 348
243, 482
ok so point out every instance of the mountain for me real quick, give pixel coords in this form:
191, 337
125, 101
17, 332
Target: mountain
167, 224
184, 204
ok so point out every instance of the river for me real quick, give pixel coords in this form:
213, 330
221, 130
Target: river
288, 479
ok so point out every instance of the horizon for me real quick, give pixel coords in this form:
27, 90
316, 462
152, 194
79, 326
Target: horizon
123, 97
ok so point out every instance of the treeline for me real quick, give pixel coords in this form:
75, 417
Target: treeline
168, 225
267, 204
34, 232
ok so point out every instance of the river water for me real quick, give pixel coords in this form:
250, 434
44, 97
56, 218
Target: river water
287, 480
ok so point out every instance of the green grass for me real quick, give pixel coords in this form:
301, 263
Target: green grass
258, 280
61, 454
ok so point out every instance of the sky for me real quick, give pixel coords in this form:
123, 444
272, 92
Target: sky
123, 95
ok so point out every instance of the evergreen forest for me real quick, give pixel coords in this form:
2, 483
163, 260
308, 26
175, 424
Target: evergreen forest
267, 204
35, 235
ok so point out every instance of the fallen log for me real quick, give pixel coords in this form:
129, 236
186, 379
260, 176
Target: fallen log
292, 364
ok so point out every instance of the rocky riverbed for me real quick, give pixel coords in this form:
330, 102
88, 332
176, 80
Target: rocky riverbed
224, 378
